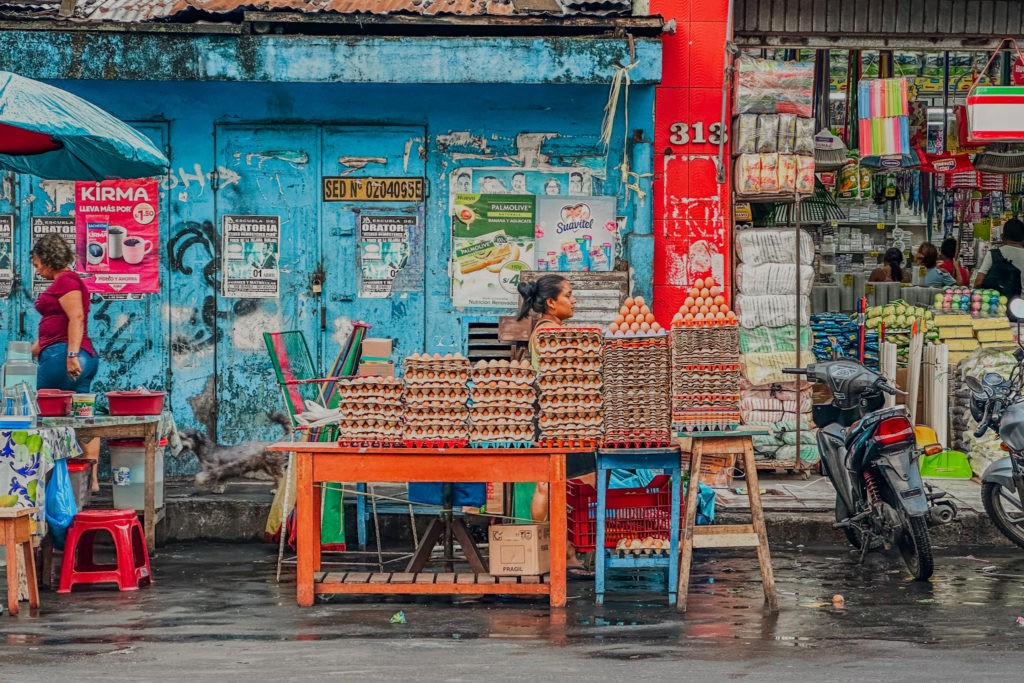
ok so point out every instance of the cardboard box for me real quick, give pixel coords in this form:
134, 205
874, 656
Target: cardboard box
377, 368
520, 549
495, 504
376, 347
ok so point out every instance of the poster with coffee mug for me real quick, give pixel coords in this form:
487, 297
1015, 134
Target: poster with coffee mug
118, 232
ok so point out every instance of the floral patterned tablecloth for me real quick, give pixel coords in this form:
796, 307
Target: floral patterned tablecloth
26, 456
167, 429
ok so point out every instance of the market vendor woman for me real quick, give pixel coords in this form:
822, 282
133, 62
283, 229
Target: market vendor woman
67, 359
550, 296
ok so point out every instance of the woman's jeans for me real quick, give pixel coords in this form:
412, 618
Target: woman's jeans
53, 369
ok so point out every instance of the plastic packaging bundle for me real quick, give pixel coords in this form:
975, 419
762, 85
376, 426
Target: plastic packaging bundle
748, 174
745, 141
805, 175
764, 310
787, 133
768, 134
770, 87
804, 137
766, 368
772, 339
773, 278
772, 245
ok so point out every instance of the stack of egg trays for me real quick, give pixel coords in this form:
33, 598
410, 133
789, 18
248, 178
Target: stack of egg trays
502, 404
436, 398
371, 411
705, 383
637, 404
569, 385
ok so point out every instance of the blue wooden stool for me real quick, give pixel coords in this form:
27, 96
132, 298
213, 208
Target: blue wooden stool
666, 459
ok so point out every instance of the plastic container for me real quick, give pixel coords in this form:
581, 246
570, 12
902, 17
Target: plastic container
128, 467
16, 421
54, 402
19, 350
80, 471
136, 402
83, 405
17, 371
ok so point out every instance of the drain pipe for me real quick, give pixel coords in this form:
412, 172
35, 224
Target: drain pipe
639, 244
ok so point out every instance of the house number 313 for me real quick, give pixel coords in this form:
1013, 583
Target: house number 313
685, 133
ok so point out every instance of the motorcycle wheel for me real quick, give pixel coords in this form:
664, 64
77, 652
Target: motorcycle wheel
996, 500
916, 548
853, 534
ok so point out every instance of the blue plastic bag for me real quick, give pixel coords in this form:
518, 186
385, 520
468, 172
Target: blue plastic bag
61, 507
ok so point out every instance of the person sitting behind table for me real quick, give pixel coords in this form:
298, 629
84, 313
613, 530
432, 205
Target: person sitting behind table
928, 256
950, 263
890, 270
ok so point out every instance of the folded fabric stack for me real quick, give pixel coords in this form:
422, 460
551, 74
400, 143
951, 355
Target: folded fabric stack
569, 384
436, 400
370, 410
637, 406
502, 397
769, 313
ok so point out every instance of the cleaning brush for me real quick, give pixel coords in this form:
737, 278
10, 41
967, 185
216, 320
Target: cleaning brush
1001, 158
829, 152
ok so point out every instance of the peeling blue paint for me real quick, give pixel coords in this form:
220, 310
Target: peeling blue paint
262, 147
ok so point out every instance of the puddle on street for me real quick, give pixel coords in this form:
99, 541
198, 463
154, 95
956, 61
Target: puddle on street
225, 592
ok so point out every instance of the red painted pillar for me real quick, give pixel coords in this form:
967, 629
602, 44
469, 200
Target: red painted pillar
692, 221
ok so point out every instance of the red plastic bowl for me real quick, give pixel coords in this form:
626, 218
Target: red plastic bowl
136, 402
54, 402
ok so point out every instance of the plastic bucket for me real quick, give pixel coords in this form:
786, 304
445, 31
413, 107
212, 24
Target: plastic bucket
54, 402
128, 467
83, 405
136, 402
80, 471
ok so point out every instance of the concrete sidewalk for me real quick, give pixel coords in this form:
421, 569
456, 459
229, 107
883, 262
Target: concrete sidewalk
798, 511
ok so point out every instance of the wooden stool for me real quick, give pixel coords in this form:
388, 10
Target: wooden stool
751, 535
17, 531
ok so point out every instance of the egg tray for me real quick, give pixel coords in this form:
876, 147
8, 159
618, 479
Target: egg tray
582, 402
545, 367
360, 436
492, 380
501, 444
579, 335
436, 377
454, 413
524, 417
451, 395
420, 388
435, 443
690, 340
442, 434
357, 395
573, 377
373, 443
446, 367
709, 424
521, 433
637, 438
569, 440
642, 552
524, 396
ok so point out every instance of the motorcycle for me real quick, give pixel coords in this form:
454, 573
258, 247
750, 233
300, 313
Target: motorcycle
996, 403
869, 453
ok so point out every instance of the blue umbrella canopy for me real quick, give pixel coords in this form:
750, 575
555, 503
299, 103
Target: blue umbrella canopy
52, 134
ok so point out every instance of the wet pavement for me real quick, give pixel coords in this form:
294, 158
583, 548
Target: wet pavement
216, 612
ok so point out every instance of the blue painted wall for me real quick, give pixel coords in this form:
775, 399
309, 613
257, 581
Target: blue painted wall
264, 147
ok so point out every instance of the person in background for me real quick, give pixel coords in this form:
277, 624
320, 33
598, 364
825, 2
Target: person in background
928, 256
891, 269
551, 296
67, 359
1012, 249
950, 263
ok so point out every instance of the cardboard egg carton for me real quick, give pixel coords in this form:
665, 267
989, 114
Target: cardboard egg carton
514, 395
437, 432
549, 339
432, 376
361, 389
450, 363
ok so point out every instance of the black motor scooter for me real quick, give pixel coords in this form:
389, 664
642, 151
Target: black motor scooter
870, 454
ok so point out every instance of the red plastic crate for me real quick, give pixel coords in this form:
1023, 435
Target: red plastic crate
630, 513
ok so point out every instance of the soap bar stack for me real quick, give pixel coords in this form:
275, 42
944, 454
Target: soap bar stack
436, 397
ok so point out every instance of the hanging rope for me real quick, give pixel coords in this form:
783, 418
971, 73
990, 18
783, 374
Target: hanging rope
620, 84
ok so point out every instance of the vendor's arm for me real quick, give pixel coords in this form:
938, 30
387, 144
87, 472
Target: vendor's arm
74, 310
986, 263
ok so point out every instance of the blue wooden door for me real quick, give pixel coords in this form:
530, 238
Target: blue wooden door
11, 303
277, 176
351, 290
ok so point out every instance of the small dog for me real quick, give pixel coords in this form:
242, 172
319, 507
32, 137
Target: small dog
218, 464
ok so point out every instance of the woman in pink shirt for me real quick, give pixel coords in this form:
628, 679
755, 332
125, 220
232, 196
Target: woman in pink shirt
950, 263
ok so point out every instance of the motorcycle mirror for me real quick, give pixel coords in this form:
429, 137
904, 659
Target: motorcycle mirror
1016, 308
973, 383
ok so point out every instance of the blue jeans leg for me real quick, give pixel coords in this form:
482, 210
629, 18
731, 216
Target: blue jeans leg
53, 370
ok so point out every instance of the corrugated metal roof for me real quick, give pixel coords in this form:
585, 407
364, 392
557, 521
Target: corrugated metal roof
150, 10
965, 21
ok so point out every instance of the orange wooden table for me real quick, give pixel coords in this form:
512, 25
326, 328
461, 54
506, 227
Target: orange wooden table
317, 463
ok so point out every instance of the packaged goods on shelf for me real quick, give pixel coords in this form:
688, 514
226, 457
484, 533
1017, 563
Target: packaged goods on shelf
837, 335
772, 339
501, 403
755, 246
436, 399
766, 368
774, 87
983, 302
371, 410
569, 382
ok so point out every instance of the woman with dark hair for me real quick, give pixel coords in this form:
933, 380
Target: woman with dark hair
551, 296
928, 256
67, 359
950, 263
891, 269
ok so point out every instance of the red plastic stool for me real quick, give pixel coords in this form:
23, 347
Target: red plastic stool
132, 568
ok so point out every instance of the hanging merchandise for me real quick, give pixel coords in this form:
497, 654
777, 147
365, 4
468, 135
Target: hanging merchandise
995, 113
770, 87
883, 117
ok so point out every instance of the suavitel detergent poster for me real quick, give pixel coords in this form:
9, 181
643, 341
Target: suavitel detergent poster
118, 231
